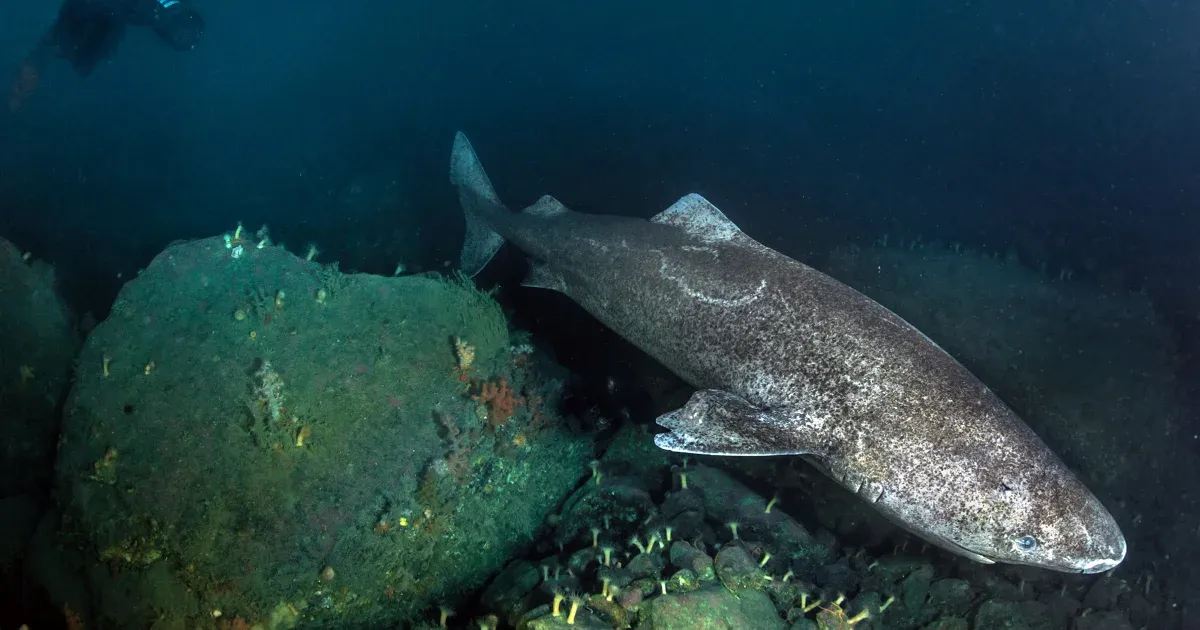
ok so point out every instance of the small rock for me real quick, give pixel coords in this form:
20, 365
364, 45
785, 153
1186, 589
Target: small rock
610, 612
893, 568
689, 523
951, 597
804, 623
1104, 620
869, 601
1001, 615
1062, 607
508, 593
1104, 594
646, 565
837, 577
584, 620
683, 581
948, 623
914, 589
646, 586
710, 607
630, 599
682, 502
784, 594
580, 560
737, 570
684, 556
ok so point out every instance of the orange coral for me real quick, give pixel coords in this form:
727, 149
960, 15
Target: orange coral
500, 400
236, 624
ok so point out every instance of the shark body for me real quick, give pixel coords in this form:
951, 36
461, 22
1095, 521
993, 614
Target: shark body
788, 361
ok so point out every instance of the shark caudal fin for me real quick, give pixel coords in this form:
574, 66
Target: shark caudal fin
479, 201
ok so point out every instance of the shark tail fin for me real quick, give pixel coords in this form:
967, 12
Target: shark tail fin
479, 201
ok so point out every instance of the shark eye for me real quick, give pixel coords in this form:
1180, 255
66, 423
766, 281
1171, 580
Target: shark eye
1027, 543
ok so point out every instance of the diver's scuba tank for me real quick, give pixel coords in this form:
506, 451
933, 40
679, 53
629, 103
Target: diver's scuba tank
177, 24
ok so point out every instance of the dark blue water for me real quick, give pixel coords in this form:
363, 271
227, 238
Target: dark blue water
1066, 132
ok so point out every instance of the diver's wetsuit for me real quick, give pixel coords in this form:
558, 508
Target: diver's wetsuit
89, 31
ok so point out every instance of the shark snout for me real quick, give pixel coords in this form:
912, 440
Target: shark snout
1113, 555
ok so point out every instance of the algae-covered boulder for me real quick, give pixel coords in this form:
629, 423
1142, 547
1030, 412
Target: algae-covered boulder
258, 440
712, 607
38, 342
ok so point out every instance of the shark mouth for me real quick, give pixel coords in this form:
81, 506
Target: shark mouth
960, 550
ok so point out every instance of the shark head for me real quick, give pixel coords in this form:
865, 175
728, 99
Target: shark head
999, 509
989, 495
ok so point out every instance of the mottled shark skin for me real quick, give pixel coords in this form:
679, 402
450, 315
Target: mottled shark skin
788, 361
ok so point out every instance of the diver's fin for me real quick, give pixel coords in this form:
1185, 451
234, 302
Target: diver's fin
714, 422
546, 207
478, 199
696, 216
541, 276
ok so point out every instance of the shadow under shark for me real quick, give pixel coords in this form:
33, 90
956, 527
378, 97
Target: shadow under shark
788, 361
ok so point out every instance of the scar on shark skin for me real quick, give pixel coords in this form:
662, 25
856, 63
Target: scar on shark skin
683, 284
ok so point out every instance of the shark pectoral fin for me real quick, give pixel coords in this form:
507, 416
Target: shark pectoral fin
541, 276
714, 422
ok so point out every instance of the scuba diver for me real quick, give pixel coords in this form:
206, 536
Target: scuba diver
88, 32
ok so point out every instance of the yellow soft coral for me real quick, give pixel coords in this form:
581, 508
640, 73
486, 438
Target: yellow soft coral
465, 353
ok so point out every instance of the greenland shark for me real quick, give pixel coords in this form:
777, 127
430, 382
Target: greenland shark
788, 361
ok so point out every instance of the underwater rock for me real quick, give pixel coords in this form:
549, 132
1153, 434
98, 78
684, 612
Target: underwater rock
892, 568
837, 577
737, 570
579, 561
632, 453
915, 587
912, 601
57, 568
646, 565
869, 601
615, 576
584, 619
710, 607
727, 500
263, 436
1104, 594
510, 591
1002, 615
684, 556
804, 623
1062, 607
951, 597
38, 343
630, 599
785, 594
1104, 620
948, 623
684, 510
616, 503
683, 581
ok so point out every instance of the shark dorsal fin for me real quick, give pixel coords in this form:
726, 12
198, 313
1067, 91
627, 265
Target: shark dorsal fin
546, 207
696, 216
